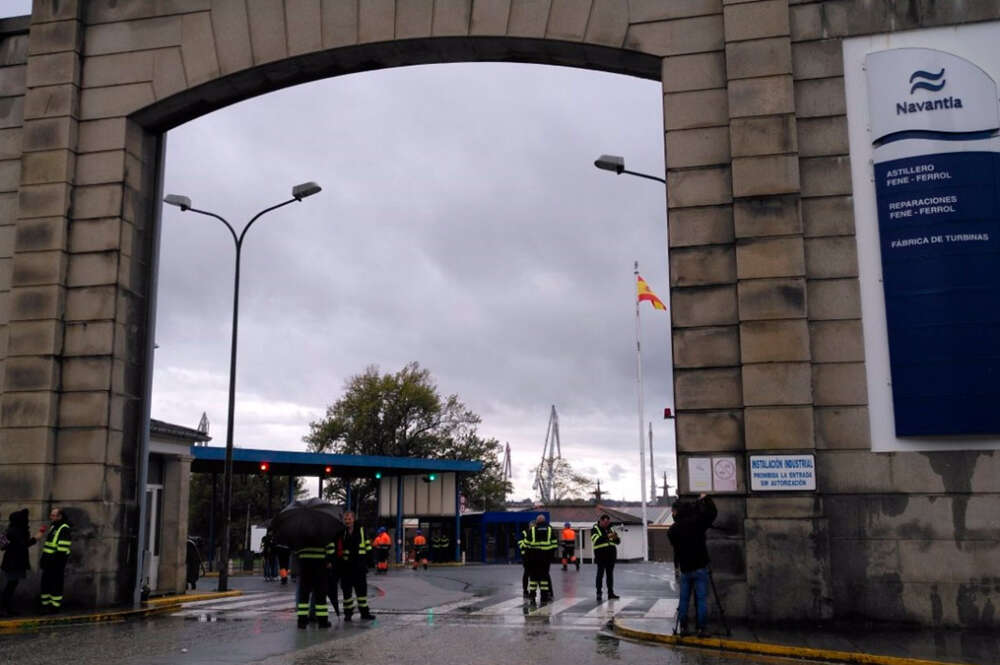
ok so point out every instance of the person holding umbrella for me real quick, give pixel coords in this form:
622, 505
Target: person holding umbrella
310, 528
355, 550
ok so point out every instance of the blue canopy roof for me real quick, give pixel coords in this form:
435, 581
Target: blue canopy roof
208, 459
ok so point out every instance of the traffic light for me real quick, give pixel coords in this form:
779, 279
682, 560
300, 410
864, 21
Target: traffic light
430, 478
264, 466
378, 475
327, 470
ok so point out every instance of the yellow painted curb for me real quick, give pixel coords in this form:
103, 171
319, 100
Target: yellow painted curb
191, 597
8, 626
772, 649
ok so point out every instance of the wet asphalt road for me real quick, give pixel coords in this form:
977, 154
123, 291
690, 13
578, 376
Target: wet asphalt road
444, 616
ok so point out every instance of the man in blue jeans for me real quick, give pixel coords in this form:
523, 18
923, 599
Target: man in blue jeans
687, 535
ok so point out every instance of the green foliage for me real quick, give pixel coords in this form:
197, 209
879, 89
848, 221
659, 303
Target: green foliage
402, 415
248, 490
568, 486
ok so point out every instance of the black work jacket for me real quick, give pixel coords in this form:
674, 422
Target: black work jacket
687, 535
15, 556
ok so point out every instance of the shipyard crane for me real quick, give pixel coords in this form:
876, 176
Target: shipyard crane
551, 451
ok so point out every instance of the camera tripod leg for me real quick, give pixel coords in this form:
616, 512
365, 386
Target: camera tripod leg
718, 603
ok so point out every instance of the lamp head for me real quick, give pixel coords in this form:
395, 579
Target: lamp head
299, 192
610, 163
181, 202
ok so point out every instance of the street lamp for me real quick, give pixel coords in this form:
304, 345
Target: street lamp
616, 163
299, 192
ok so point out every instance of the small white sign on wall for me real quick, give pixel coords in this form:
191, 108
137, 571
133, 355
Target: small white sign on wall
699, 474
711, 474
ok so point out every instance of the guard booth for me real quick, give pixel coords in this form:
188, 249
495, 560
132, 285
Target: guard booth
409, 487
491, 537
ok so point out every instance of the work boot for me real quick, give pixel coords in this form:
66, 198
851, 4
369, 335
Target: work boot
367, 616
578, 564
702, 632
600, 596
564, 566
303, 623
347, 615
323, 622
284, 581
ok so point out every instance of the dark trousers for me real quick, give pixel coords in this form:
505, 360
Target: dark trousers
606, 566
8, 595
53, 576
538, 573
312, 589
354, 582
524, 576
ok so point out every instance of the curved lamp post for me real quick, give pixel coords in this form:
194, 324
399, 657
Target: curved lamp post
299, 192
616, 163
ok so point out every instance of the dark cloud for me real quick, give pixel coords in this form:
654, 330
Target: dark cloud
461, 224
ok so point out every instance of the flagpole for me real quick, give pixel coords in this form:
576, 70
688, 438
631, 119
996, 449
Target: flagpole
642, 446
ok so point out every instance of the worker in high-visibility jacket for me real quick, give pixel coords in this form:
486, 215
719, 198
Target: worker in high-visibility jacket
567, 538
419, 550
605, 544
540, 545
55, 554
443, 554
382, 544
313, 586
356, 550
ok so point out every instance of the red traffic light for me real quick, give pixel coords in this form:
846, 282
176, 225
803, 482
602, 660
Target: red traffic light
264, 466
328, 469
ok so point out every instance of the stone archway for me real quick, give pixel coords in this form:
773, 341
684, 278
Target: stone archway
766, 319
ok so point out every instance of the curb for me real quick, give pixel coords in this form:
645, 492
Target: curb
191, 597
8, 626
770, 649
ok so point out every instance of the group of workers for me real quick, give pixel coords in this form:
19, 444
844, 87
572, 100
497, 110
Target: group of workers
538, 545
342, 562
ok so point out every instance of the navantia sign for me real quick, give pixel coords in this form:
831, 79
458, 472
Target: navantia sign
923, 120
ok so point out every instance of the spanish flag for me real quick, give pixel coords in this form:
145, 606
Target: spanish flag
645, 294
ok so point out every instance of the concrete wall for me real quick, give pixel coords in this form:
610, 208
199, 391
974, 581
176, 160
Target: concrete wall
766, 316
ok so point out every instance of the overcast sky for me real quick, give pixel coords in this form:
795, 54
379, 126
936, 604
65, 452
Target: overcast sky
462, 225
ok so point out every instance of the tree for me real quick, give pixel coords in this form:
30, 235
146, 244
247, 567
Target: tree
248, 490
403, 415
568, 486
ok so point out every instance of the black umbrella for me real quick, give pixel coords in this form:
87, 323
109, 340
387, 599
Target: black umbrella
309, 523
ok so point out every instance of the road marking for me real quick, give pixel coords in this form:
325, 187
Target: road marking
237, 601
609, 608
664, 608
500, 608
451, 607
558, 606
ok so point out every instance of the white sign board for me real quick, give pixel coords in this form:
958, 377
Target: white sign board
699, 474
782, 473
724, 474
712, 474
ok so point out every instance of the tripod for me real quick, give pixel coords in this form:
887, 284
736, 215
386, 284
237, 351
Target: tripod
718, 604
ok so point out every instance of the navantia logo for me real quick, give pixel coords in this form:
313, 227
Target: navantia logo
924, 81
921, 80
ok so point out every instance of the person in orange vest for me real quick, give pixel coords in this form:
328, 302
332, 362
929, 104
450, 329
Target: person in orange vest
568, 540
382, 544
419, 550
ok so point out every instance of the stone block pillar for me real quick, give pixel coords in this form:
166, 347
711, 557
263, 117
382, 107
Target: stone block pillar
173, 548
35, 237
771, 272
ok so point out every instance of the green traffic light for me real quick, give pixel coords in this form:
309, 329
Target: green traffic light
378, 475
432, 476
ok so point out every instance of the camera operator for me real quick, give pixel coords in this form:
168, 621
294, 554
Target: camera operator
687, 536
